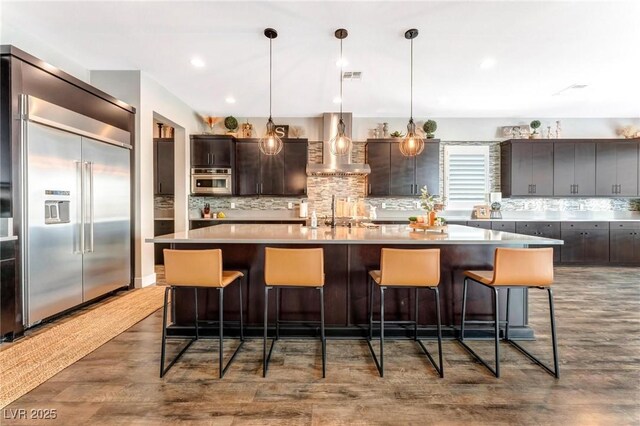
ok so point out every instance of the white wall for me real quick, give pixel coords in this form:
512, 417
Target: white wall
41, 50
453, 129
151, 100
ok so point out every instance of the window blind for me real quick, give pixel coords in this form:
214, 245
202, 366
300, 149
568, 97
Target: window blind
466, 175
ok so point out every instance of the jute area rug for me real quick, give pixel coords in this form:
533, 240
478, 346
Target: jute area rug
34, 359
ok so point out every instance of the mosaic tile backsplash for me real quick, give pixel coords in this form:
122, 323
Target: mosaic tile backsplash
321, 188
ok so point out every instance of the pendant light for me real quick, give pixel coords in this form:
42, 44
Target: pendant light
341, 143
413, 143
270, 143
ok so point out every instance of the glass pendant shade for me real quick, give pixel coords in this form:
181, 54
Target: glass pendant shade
270, 143
341, 143
413, 142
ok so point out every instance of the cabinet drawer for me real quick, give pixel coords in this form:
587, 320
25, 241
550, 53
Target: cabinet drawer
545, 229
479, 224
503, 226
624, 225
584, 225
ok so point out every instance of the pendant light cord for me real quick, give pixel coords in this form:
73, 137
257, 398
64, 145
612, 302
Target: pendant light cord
341, 77
412, 79
270, 71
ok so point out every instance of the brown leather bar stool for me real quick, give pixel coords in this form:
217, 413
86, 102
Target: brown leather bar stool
417, 269
514, 268
292, 268
198, 269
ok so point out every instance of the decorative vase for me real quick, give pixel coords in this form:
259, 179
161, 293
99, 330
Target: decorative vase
385, 130
432, 218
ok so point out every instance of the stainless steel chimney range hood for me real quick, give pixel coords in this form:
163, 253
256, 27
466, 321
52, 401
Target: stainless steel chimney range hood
333, 165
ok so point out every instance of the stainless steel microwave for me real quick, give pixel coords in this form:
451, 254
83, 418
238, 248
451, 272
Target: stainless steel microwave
211, 181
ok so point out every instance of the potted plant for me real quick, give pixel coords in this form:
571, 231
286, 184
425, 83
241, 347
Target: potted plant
231, 124
429, 203
430, 127
535, 124
396, 134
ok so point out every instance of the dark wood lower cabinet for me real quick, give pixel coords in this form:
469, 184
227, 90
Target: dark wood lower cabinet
161, 227
544, 230
585, 246
624, 246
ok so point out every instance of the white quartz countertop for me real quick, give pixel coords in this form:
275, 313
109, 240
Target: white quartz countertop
385, 234
248, 218
532, 216
11, 238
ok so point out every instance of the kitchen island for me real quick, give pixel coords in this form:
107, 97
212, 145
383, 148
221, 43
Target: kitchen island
349, 254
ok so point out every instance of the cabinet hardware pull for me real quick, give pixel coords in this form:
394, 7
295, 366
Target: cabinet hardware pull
369, 189
613, 189
160, 188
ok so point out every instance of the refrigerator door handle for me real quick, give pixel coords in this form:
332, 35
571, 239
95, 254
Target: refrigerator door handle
80, 207
91, 203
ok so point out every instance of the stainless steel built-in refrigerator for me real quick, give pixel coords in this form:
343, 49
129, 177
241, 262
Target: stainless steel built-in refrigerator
78, 209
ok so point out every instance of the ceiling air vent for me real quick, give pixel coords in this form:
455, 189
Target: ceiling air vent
352, 75
569, 88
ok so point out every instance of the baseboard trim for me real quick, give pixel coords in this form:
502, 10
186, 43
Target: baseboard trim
145, 281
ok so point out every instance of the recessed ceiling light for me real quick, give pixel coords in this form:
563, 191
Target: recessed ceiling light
337, 100
230, 100
342, 62
487, 63
197, 62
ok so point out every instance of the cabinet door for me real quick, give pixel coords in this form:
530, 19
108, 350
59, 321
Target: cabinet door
596, 246
402, 172
606, 169
585, 169
164, 169
573, 248
542, 168
200, 155
220, 152
564, 159
428, 169
247, 168
484, 224
295, 168
621, 243
379, 158
627, 169
272, 174
521, 169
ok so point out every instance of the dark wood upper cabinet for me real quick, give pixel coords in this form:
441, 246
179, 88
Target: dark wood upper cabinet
529, 168
212, 151
247, 168
378, 155
403, 173
394, 174
295, 168
163, 166
617, 168
574, 169
272, 174
428, 169
281, 174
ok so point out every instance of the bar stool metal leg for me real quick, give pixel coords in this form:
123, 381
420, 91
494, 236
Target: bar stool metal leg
496, 371
163, 369
164, 330
381, 368
415, 325
371, 286
497, 331
195, 291
221, 329
277, 313
556, 369
264, 340
322, 335
241, 313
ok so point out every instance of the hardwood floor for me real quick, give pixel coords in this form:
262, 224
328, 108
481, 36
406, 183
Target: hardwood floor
598, 315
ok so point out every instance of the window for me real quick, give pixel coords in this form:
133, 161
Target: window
466, 175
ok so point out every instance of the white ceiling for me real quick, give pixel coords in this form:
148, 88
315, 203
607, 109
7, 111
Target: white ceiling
539, 48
